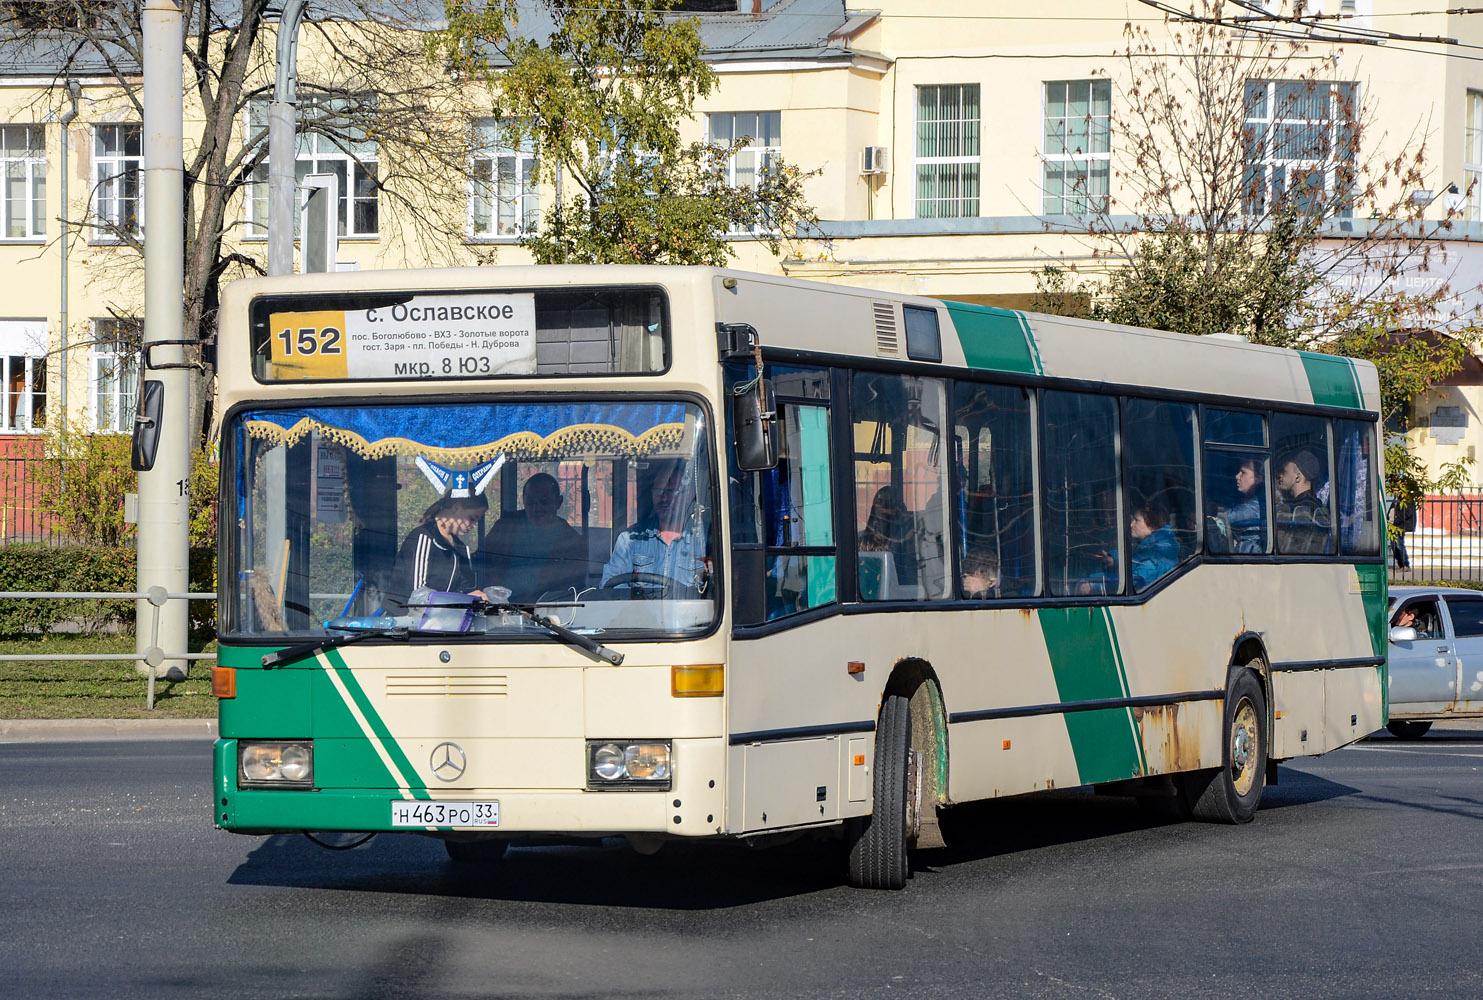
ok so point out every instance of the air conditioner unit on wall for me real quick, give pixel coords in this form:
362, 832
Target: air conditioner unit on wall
873, 160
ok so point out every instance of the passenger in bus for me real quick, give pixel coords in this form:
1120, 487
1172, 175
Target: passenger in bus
1248, 516
534, 551
434, 554
1302, 518
1155, 546
888, 528
980, 574
669, 542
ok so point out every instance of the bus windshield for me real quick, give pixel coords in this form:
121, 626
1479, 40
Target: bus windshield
405, 517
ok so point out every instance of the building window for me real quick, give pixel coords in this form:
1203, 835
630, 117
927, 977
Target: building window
1472, 155
115, 371
23, 149
331, 139
947, 151
22, 375
756, 141
503, 200
1078, 146
1300, 140
118, 179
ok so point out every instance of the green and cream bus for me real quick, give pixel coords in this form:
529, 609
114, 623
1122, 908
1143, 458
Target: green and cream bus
832, 560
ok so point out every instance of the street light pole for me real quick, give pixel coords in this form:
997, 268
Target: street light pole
164, 502
281, 153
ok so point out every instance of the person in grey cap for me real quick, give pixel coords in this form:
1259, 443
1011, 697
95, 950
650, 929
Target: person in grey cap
1302, 518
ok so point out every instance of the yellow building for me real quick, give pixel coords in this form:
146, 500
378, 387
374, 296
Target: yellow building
960, 145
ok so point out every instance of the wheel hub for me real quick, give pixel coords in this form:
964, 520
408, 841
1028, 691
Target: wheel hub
1243, 747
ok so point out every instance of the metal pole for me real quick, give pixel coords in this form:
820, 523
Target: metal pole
164, 556
281, 152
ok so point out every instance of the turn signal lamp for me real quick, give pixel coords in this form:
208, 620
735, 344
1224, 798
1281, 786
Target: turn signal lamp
224, 682
704, 681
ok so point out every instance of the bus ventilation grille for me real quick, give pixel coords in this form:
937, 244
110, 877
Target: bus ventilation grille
886, 343
443, 686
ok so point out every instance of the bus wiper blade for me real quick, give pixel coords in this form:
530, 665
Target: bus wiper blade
307, 649
577, 639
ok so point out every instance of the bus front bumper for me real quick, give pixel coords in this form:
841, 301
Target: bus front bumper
691, 807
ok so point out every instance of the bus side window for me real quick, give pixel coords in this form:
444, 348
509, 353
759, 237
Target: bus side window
1302, 515
1080, 499
1159, 445
900, 487
798, 515
995, 512
1236, 487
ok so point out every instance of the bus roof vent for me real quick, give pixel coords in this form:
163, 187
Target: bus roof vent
886, 342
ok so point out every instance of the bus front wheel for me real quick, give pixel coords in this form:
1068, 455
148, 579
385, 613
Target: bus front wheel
879, 842
1231, 793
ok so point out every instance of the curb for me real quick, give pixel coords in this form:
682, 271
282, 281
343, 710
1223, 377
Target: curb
58, 730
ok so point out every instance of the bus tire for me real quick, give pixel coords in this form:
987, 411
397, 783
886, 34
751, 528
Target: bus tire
1405, 729
475, 852
878, 843
1232, 792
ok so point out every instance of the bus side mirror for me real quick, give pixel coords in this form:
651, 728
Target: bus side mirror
147, 425
754, 421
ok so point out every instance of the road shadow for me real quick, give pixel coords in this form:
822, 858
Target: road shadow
711, 875
682, 876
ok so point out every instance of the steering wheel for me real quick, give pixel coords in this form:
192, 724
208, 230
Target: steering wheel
638, 580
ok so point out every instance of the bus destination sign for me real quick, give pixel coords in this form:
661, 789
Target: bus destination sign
428, 336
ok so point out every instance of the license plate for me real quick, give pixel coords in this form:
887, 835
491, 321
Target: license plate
412, 812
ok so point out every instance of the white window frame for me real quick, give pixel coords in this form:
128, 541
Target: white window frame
115, 209
24, 163
23, 353
1472, 155
314, 153
764, 133
955, 143
504, 190
1273, 125
113, 377
1076, 155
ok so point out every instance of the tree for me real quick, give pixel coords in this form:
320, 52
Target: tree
1234, 150
366, 91
601, 100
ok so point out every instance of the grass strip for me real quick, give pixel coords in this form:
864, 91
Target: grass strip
106, 689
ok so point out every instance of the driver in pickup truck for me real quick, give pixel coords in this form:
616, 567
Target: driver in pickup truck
668, 543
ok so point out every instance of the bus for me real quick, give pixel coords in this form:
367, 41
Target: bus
521, 554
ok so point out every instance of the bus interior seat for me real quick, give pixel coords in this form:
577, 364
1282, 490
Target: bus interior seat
1217, 533
879, 582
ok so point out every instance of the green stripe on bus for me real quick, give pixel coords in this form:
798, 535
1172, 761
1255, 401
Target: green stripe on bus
995, 339
1332, 380
1372, 592
1087, 666
378, 732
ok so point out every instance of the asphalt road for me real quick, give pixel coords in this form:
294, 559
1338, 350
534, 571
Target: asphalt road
1361, 877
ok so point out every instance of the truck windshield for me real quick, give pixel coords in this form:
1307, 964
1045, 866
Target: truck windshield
398, 517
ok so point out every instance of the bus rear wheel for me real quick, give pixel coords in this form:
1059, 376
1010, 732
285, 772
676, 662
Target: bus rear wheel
879, 842
1232, 793
1405, 729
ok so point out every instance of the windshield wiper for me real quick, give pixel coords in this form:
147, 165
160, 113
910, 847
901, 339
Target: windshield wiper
577, 639
318, 646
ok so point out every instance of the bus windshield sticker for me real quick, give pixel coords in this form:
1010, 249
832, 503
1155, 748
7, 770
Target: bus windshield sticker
430, 336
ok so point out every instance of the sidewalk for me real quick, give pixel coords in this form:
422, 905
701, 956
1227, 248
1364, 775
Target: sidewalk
58, 730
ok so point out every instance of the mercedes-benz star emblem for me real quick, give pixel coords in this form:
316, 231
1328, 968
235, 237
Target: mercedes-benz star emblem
448, 762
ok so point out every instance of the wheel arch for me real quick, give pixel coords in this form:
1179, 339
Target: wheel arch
1249, 652
915, 679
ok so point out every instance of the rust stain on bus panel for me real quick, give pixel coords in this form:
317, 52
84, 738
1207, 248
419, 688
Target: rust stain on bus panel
1169, 740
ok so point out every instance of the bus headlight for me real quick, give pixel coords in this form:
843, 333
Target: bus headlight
615, 764
275, 764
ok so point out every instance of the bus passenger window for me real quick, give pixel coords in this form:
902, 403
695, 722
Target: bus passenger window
1079, 505
1356, 473
1235, 483
1302, 516
798, 515
900, 487
995, 513
1159, 443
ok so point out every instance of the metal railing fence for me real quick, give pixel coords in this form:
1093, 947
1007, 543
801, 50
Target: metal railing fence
152, 657
1447, 543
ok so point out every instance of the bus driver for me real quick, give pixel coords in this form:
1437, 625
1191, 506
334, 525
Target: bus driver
669, 541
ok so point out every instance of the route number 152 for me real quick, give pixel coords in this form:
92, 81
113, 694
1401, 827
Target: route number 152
310, 341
